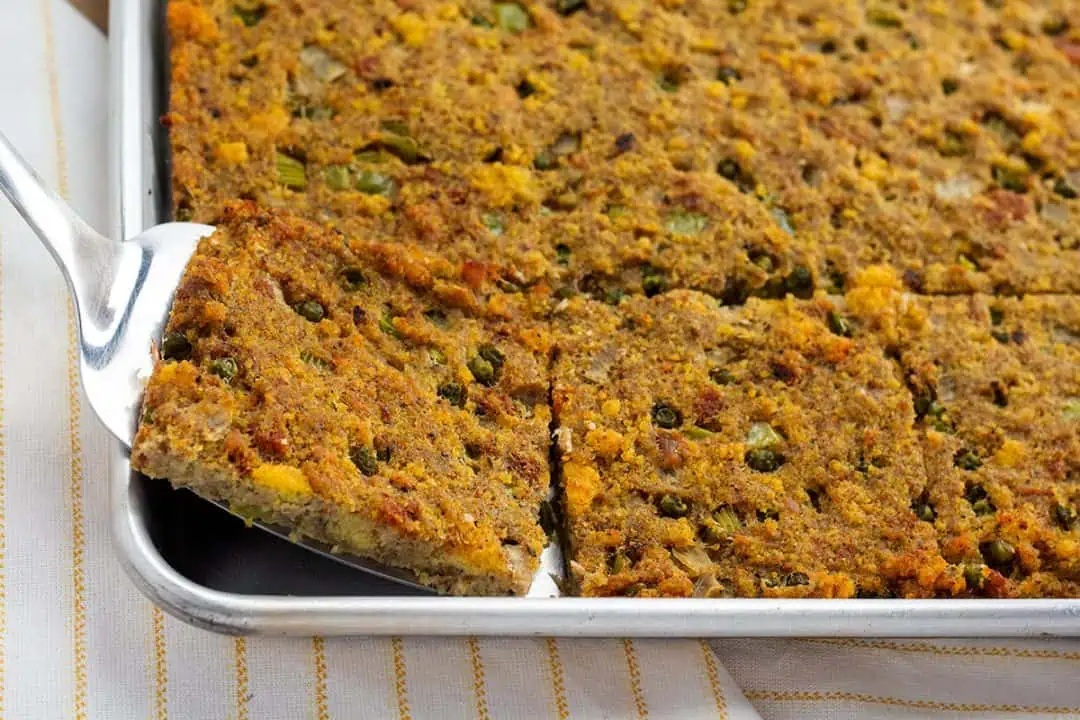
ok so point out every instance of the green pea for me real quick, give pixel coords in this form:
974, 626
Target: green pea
980, 500
562, 254
973, 576
1055, 25
482, 370
800, 282
614, 296
453, 393
653, 280
364, 459
839, 325
290, 171
251, 14
764, 460
511, 17
481, 21
1065, 190
310, 310
492, 355
953, 144
773, 289
924, 510
673, 506
666, 416
371, 182
796, 578
721, 376
684, 222
997, 315
620, 563
1011, 178
337, 177
967, 459
998, 553
544, 160
225, 368
736, 7
1064, 515
944, 425
353, 278
175, 346
668, 81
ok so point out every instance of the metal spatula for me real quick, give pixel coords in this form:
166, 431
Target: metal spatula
122, 293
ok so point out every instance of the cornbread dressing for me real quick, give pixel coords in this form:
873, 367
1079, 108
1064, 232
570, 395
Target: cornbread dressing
740, 147
384, 402
782, 287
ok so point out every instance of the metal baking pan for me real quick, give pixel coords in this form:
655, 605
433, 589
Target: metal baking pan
204, 566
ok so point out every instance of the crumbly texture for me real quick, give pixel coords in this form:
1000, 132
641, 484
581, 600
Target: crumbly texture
996, 386
751, 452
369, 396
741, 148
882, 446
631, 163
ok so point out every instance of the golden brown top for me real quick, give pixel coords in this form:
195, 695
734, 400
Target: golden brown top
883, 446
384, 382
744, 452
996, 386
739, 147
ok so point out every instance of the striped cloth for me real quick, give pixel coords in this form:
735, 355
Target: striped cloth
77, 640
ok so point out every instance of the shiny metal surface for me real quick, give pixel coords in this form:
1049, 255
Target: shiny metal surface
122, 291
277, 598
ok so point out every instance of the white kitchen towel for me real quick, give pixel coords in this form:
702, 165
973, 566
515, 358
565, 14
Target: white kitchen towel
77, 640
